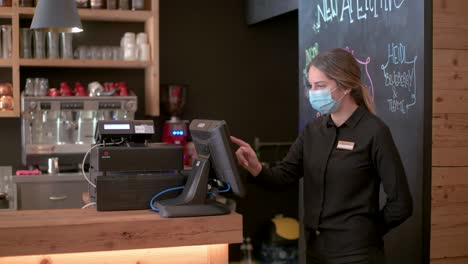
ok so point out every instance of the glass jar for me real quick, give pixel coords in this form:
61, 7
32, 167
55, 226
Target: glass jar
6, 41
6, 103
97, 4
82, 3
26, 3
138, 4
29, 87
111, 4
5, 2
6, 89
124, 4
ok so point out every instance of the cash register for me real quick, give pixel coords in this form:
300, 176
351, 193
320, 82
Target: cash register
126, 170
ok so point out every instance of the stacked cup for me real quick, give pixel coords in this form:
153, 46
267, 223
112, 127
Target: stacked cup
143, 50
128, 45
135, 47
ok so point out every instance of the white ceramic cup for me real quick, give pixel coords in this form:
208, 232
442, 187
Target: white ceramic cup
141, 38
128, 39
143, 52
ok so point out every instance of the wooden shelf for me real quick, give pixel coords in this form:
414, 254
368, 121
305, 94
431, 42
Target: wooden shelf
6, 12
99, 14
84, 63
149, 18
5, 63
8, 114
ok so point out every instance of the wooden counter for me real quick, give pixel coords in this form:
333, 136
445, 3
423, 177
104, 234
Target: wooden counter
50, 232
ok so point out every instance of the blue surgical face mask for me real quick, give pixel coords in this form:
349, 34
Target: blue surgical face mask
322, 101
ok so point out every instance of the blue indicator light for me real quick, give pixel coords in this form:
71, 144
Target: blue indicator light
178, 133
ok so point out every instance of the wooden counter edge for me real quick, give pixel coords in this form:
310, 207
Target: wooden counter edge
75, 230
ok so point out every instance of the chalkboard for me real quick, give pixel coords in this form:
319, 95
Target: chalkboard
392, 42
260, 10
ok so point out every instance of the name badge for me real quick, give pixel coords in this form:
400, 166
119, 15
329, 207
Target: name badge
345, 145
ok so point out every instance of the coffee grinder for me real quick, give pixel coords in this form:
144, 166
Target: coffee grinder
175, 130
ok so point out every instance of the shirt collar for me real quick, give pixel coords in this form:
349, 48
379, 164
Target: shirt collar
352, 120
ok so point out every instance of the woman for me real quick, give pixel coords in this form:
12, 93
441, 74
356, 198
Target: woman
343, 156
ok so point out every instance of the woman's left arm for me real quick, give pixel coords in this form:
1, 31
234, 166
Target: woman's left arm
387, 161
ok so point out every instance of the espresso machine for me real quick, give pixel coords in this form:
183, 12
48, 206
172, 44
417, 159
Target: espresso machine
175, 130
63, 127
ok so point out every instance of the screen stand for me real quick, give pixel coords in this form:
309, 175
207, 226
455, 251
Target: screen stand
193, 201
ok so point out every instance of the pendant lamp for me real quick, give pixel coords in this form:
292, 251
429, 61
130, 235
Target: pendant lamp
57, 16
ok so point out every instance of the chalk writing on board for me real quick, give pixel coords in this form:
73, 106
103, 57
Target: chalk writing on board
364, 70
310, 53
400, 75
351, 10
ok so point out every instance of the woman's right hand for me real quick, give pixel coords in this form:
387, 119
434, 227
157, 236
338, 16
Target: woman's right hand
246, 157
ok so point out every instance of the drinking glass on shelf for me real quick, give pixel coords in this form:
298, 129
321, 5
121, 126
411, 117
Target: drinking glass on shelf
106, 53
41, 86
66, 46
96, 53
81, 53
138, 4
111, 4
26, 3
6, 41
53, 45
29, 87
25, 43
39, 44
116, 53
124, 4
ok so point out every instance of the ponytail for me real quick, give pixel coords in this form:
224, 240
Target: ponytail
367, 100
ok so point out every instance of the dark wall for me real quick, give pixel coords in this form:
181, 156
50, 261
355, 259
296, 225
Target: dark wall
244, 75
260, 10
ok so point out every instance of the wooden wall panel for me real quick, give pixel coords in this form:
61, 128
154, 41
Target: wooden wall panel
449, 215
450, 101
449, 230
450, 69
446, 176
450, 130
455, 156
449, 227
459, 260
443, 195
450, 24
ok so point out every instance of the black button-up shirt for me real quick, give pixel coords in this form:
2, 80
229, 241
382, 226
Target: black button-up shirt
341, 186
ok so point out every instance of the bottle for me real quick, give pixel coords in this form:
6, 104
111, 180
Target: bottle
246, 249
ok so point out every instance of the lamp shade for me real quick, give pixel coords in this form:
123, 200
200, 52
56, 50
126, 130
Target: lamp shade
56, 16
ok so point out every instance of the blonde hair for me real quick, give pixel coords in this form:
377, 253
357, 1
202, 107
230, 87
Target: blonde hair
341, 66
